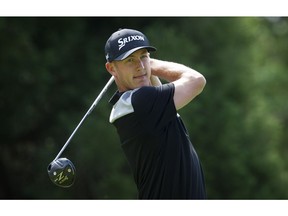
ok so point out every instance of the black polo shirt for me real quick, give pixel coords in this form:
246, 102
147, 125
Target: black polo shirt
156, 143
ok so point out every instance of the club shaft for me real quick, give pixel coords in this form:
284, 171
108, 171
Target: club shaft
85, 116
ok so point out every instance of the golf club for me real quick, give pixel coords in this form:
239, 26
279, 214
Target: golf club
61, 170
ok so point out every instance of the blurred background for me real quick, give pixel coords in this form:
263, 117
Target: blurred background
52, 69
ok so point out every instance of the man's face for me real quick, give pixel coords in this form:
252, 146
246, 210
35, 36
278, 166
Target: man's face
133, 72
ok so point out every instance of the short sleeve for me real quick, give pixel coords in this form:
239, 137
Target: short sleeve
154, 106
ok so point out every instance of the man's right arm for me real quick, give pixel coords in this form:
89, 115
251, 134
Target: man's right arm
188, 82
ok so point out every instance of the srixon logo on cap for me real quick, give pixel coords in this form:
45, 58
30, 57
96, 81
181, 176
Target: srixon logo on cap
122, 41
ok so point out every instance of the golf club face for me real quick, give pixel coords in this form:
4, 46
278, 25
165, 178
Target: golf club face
62, 172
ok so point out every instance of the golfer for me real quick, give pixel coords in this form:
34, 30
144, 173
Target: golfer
154, 139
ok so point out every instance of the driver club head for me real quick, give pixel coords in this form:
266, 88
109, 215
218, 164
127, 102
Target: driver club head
62, 172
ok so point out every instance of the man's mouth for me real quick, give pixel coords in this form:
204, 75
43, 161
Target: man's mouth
140, 76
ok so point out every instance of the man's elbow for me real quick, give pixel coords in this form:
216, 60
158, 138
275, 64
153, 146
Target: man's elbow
199, 83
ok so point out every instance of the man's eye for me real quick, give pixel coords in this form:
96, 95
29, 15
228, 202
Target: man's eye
146, 55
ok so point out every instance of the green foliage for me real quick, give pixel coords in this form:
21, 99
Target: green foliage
52, 69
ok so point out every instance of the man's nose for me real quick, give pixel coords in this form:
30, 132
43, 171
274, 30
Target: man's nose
140, 64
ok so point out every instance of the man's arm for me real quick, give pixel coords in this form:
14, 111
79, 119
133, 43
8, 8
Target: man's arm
188, 82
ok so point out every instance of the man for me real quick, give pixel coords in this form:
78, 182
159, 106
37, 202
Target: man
155, 141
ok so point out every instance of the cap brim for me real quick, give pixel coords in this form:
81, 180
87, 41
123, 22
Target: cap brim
126, 54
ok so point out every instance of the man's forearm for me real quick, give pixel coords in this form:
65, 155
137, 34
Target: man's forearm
170, 71
188, 82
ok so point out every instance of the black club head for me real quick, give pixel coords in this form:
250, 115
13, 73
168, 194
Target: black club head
62, 172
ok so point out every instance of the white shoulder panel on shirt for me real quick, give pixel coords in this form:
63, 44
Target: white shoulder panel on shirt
122, 107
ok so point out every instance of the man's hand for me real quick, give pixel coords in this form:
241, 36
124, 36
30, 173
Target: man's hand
155, 81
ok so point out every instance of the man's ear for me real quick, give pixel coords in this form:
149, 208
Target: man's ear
110, 68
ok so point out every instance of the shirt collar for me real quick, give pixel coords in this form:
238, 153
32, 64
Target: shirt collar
115, 97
